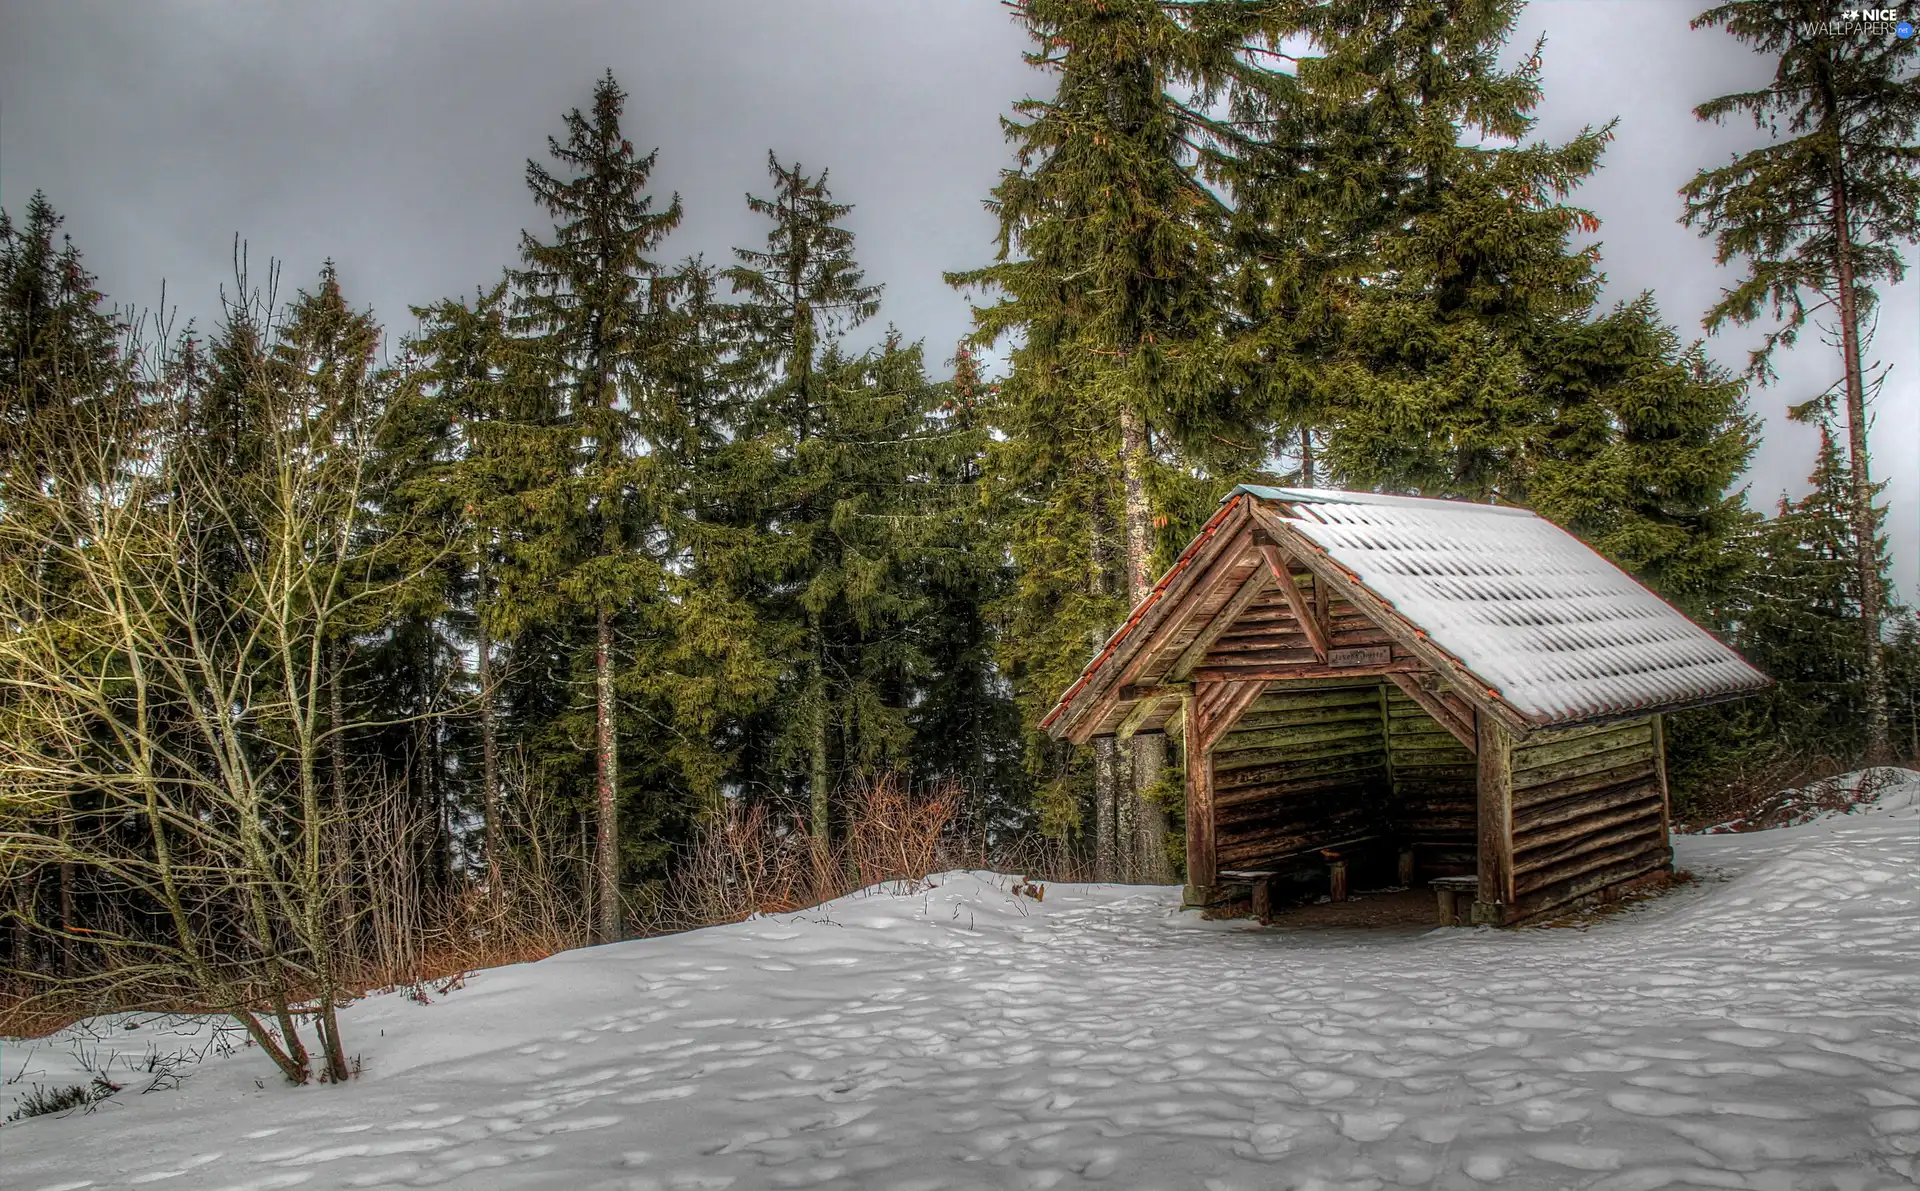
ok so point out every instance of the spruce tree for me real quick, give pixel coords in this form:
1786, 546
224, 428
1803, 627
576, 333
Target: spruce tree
966, 727
829, 464
61, 373
1818, 215
585, 297
452, 473
1108, 274
58, 348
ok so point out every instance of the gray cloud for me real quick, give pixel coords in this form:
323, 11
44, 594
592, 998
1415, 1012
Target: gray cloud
393, 139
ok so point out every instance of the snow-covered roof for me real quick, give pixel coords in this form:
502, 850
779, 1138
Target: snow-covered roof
1557, 631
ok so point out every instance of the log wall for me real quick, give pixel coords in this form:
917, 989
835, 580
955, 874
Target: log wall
1589, 811
1304, 768
1433, 807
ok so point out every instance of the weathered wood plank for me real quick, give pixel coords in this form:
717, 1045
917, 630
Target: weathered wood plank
1494, 756
1261, 719
1324, 733
1158, 626
1639, 754
1341, 782
1234, 771
1598, 779
1565, 810
1548, 897
1577, 731
1660, 772
1533, 756
1331, 694
1586, 863
1580, 839
1406, 635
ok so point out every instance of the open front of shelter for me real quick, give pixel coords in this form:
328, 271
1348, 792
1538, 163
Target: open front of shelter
1464, 694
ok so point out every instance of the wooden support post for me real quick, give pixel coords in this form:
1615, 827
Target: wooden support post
1660, 773
1263, 900
1494, 902
1403, 876
1200, 846
1337, 879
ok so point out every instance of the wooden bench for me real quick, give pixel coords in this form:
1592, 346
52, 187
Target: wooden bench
1260, 881
1448, 892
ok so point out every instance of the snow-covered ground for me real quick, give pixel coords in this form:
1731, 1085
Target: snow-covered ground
1760, 1029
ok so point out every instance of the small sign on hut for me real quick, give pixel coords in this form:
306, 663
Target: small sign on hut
1465, 687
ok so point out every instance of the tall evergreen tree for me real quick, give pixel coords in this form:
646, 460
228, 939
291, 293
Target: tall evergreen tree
1818, 215
965, 724
832, 465
587, 298
61, 372
1794, 613
58, 348
1107, 274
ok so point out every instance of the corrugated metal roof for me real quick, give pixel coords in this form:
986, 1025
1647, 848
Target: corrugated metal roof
1558, 631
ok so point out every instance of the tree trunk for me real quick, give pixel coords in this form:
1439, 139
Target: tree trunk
819, 786
1105, 787
607, 766
1140, 829
1306, 456
69, 960
1866, 556
489, 735
1137, 516
342, 837
1151, 866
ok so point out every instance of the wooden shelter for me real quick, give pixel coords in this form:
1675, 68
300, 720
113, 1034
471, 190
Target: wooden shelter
1466, 691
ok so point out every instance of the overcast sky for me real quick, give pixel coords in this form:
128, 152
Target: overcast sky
393, 138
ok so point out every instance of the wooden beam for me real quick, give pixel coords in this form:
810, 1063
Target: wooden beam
1222, 620
1302, 611
1240, 697
1152, 634
1274, 673
1200, 834
1415, 641
1495, 799
1143, 710
1146, 690
1177, 722
1430, 702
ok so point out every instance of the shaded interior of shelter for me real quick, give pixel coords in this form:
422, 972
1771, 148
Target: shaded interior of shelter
1355, 751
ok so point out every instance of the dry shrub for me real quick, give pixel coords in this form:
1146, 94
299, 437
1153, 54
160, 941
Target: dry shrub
745, 861
1745, 794
1791, 805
